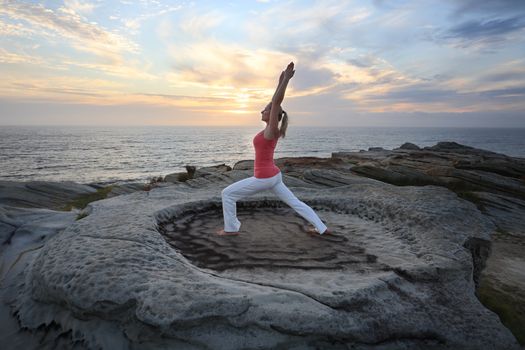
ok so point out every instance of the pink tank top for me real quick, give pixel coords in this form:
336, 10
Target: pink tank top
264, 166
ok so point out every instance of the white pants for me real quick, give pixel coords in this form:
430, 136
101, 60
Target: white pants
252, 185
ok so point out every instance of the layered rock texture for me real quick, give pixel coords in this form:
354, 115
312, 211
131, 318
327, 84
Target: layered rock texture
419, 237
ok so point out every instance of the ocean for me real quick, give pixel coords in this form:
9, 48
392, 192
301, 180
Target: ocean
87, 154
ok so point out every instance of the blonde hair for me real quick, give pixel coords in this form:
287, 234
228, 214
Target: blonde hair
284, 123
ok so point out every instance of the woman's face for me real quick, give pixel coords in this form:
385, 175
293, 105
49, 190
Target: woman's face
265, 113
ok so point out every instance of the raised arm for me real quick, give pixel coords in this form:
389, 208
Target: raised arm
278, 85
277, 99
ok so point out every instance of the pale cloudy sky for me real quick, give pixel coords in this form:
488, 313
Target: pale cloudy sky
358, 63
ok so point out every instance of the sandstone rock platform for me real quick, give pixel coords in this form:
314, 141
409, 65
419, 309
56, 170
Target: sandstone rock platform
145, 270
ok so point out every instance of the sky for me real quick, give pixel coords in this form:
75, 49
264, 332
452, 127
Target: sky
443, 63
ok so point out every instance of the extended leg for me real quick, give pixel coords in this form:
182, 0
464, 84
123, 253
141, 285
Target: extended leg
300, 207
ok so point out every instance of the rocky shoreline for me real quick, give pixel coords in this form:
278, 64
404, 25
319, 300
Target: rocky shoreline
427, 252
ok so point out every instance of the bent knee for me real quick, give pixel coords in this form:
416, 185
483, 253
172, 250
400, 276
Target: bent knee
228, 192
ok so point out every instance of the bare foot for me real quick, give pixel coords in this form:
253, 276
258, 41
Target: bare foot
224, 233
312, 230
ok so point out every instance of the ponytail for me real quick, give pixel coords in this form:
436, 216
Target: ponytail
284, 124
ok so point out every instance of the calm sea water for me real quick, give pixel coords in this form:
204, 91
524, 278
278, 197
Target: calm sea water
112, 154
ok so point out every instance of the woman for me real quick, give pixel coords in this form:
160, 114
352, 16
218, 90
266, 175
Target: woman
267, 176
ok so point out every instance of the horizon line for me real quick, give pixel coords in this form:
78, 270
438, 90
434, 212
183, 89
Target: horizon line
254, 126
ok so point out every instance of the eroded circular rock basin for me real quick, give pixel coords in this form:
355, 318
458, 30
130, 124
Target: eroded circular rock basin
274, 237
394, 273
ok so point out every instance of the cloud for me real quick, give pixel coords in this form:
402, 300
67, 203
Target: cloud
197, 26
135, 23
507, 76
361, 62
485, 26
108, 47
192, 26
475, 29
16, 29
483, 35
313, 37
352, 59
82, 35
11, 57
416, 93
517, 93
60, 88
103, 92
498, 77
136, 70
66, 64
39, 111
431, 97
75, 6
311, 77
491, 7
214, 65
369, 87
288, 25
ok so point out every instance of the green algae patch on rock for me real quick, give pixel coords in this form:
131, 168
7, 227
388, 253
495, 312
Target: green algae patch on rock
81, 216
471, 196
509, 309
82, 201
501, 284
